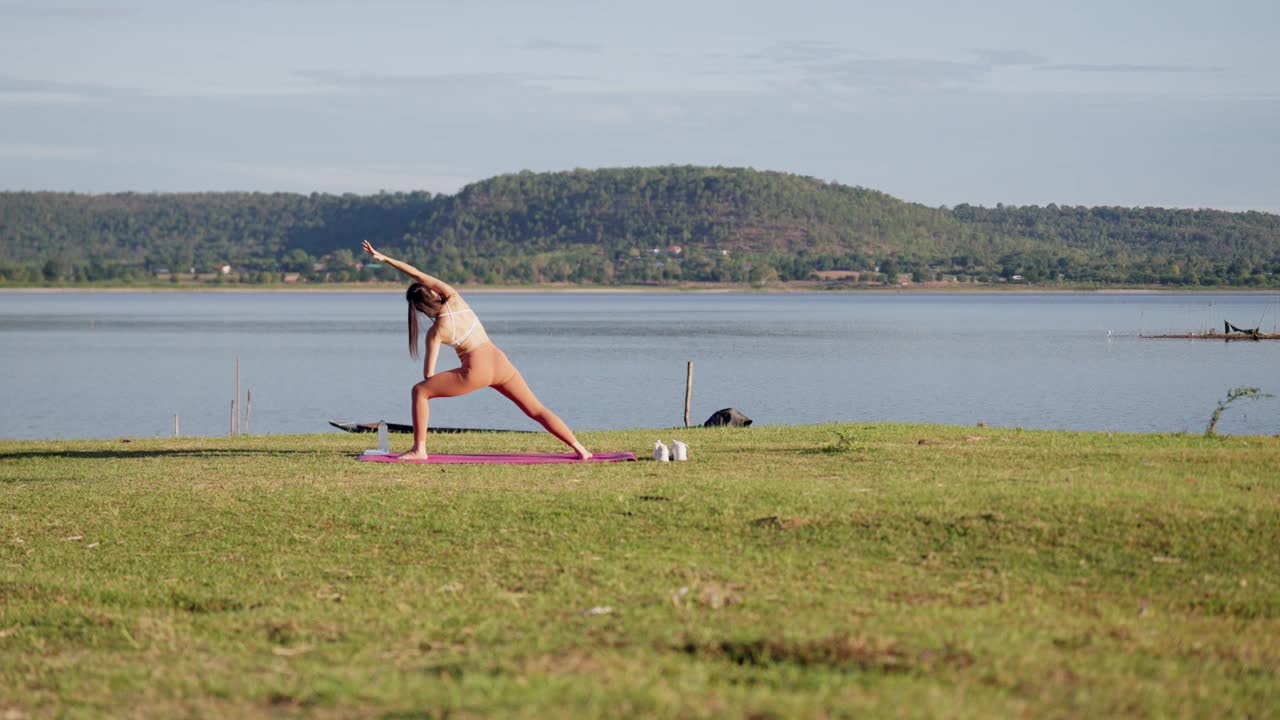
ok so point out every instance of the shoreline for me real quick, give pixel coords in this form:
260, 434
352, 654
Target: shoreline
784, 427
700, 288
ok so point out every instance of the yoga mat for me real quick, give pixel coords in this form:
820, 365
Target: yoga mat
500, 458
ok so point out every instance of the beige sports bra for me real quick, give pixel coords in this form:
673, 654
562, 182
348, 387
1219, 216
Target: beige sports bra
455, 336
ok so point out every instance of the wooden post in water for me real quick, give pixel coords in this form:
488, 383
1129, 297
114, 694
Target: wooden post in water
688, 392
235, 417
232, 420
175, 425
248, 408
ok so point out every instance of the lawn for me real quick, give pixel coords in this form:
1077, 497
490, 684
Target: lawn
816, 571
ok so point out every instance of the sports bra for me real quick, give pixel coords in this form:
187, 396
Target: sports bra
456, 337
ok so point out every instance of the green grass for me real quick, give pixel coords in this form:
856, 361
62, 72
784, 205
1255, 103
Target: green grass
834, 570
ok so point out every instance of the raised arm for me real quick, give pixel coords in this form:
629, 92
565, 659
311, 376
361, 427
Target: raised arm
440, 287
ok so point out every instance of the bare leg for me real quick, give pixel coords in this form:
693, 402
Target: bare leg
421, 414
517, 391
447, 384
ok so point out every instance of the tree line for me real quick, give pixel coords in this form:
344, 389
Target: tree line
624, 226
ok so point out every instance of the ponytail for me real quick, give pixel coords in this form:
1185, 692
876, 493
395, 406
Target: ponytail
421, 300
413, 332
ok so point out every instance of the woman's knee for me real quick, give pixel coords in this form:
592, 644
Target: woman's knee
422, 390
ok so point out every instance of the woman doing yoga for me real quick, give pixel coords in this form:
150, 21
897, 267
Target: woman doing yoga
454, 323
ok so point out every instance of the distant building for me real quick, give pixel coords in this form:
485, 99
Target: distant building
854, 275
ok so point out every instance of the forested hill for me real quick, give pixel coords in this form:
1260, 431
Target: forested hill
630, 225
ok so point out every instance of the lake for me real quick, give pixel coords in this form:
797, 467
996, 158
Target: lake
121, 364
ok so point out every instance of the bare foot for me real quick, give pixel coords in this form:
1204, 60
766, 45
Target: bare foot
583, 454
414, 455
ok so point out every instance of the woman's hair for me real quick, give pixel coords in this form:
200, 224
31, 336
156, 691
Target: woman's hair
421, 300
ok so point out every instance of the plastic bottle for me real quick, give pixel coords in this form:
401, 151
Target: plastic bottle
660, 452
384, 442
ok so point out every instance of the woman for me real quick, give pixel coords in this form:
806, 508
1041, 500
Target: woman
454, 323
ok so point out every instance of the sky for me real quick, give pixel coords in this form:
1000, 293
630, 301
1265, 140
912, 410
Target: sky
1173, 103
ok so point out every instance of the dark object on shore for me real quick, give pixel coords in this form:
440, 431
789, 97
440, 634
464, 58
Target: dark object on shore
1229, 332
728, 417
1215, 336
1228, 328
353, 427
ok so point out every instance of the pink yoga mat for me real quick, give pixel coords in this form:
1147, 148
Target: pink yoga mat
500, 458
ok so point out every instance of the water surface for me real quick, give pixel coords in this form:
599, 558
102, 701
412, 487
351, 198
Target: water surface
103, 365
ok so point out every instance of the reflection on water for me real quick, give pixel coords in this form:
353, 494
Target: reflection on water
123, 364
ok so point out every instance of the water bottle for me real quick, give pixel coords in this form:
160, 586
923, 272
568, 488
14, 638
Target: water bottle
660, 452
679, 451
384, 442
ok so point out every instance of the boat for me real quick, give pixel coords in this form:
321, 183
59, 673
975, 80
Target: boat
368, 427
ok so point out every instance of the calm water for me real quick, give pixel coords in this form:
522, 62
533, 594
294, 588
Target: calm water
110, 365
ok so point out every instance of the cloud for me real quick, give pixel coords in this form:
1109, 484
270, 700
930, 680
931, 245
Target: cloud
830, 66
30, 151
1126, 68
900, 74
1009, 58
39, 98
826, 66
609, 114
556, 45
62, 12
26, 91
799, 52
344, 80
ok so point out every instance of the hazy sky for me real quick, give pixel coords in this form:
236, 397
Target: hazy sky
1122, 102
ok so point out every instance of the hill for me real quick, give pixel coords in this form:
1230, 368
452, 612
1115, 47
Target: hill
647, 225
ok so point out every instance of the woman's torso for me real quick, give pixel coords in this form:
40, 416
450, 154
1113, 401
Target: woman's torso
459, 327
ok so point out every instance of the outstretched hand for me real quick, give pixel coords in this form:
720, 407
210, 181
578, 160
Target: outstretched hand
368, 247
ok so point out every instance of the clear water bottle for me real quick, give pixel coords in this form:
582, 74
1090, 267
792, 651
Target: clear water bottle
384, 441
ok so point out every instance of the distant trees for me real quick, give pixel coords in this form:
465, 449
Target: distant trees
626, 225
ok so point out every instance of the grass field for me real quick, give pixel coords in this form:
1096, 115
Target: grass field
821, 571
